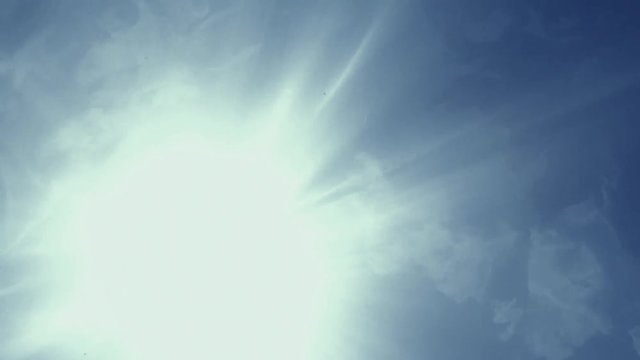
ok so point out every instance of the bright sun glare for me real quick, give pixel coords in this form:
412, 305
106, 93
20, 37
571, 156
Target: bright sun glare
192, 232
181, 248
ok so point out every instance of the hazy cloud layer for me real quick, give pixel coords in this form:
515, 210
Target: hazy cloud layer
484, 152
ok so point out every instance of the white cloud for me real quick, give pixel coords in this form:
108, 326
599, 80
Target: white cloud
566, 283
459, 264
635, 337
509, 314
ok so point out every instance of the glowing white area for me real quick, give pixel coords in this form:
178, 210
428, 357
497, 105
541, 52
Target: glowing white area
188, 249
184, 222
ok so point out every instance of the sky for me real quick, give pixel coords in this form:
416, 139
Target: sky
463, 174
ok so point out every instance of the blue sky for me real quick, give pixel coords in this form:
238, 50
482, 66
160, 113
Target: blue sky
480, 156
